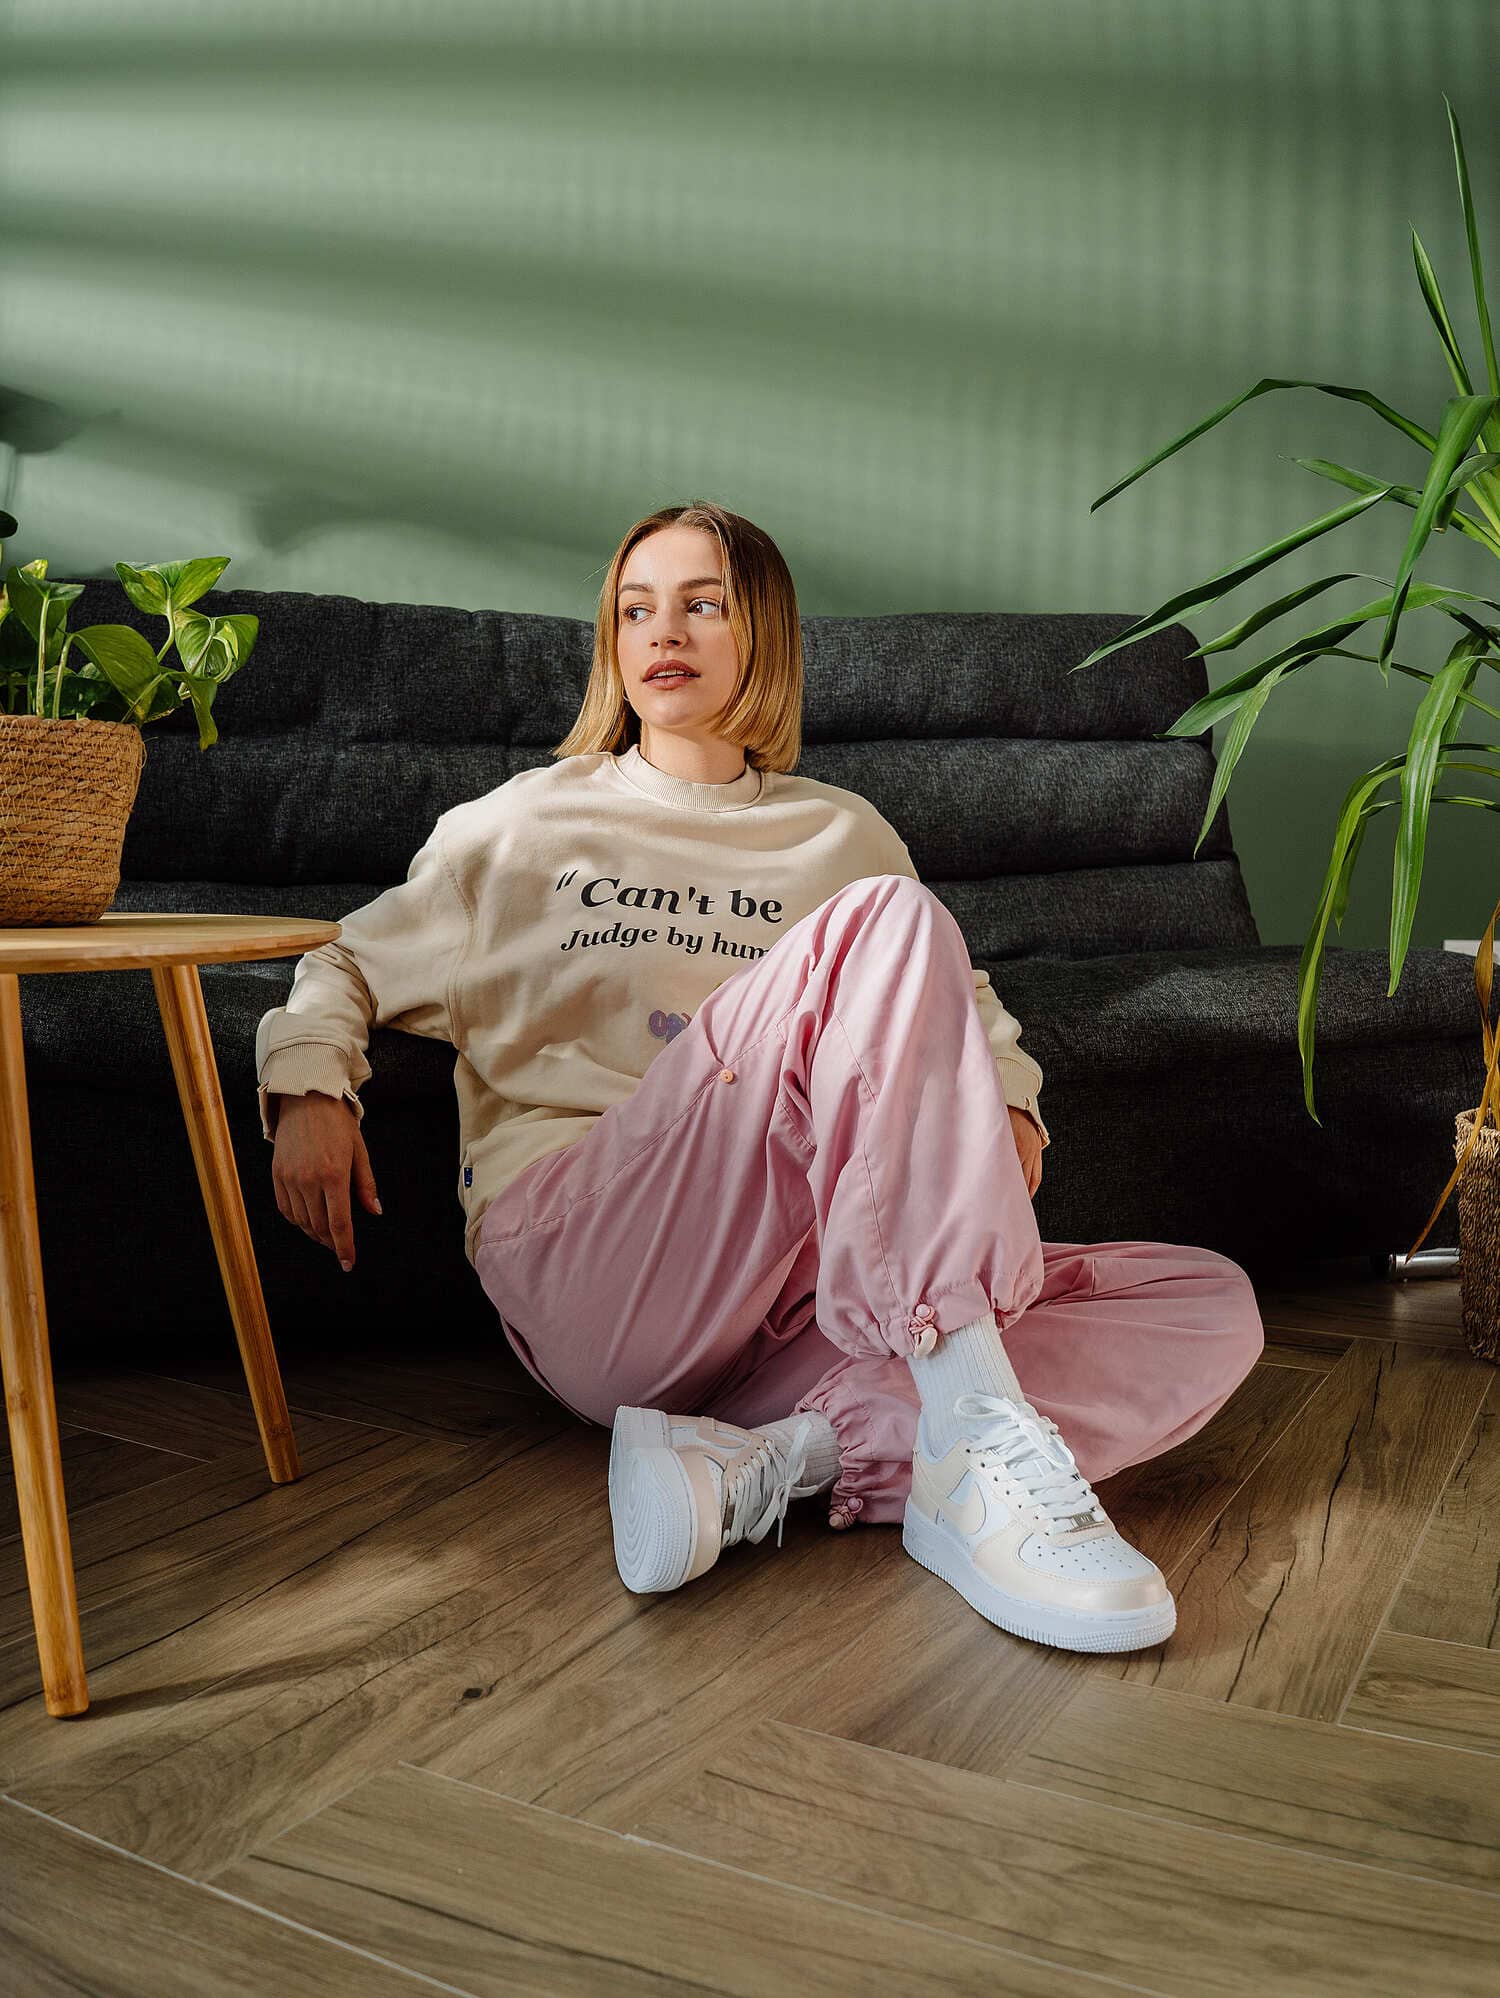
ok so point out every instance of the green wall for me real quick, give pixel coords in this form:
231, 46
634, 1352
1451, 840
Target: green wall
429, 304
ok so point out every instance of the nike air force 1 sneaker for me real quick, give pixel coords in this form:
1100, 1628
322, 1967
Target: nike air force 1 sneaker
1006, 1518
682, 1488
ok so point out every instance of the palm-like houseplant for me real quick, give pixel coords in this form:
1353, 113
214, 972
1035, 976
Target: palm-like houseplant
1463, 464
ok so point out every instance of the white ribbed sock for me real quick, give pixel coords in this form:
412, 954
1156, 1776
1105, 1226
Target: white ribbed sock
822, 1445
969, 1360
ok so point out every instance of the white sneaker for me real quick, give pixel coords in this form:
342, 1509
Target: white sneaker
682, 1488
1007, 1519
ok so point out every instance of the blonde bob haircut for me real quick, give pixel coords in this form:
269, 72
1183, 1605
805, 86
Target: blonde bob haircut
763, 714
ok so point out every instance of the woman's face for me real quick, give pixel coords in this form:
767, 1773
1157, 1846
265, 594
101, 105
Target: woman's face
671, 613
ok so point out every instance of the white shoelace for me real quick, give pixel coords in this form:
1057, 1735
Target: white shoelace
763, 1485
1030, 1447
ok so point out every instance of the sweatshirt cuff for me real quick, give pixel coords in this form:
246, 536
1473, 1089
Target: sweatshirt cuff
299, 1069
1020, 1094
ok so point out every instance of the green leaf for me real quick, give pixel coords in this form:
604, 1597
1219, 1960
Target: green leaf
1436, 720
1463, 476
1324, 639
1358, 806
1463, 417
1341, 892
1475, 266
1200, 594
218, 646
192, 635
1234, 743
1268, 382
187, 581
144, 587
1404, 495
30, 595
1360, 482
246, 630
1452, 590
201, 688
1432, 292
27, 593
1227, 640
165, 587
1334, 891
127, 662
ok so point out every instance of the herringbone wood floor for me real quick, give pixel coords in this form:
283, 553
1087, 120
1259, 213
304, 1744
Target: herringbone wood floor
400, 1725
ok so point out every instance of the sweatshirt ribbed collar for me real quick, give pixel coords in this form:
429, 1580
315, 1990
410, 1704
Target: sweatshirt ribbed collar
740, 791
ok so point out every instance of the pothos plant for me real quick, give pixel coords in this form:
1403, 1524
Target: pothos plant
117, 676
1462, 465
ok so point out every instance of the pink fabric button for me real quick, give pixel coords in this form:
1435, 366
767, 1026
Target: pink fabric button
726, 1075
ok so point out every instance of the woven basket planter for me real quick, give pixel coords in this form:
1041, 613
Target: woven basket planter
1479, 1236
67, 788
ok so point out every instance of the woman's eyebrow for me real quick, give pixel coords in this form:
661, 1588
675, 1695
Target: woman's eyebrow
691, 583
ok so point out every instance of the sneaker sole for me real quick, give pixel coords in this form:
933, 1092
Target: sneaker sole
651, 1503
1094, 1630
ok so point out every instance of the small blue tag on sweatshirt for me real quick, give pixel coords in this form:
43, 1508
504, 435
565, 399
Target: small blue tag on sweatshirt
468, 1175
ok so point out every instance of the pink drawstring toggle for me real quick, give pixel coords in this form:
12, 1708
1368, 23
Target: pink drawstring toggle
842, 1513
924, 1330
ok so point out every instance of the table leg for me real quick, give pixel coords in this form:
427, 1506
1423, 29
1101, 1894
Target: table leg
179, 999
29, 1403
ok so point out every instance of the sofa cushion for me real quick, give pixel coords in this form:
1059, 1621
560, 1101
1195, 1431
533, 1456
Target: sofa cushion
1157, 1010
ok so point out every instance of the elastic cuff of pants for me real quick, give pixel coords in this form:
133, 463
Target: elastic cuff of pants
943, 1309
857, 1468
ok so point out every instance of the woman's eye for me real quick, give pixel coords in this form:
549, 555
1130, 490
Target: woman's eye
630, 609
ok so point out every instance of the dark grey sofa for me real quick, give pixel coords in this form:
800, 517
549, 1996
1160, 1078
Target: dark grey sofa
1036, 805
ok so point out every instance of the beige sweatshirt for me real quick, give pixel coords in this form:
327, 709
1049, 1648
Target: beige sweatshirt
561, 929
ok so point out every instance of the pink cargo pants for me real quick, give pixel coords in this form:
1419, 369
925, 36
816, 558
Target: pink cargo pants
814, 1174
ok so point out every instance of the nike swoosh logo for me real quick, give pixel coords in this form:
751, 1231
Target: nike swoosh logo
971, 1514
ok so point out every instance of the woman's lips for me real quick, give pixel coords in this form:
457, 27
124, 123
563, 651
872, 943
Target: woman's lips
678, 680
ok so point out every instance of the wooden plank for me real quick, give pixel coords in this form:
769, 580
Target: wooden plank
142, 1533
204, 1487
1279, 1602
361, 1387
168, 1585
326, 1667
1427, 1310
942, 1682
166, 1414
597, 1735
1174, 1908
498, 1897
76, 1916
95, 1467
1451, 1591
1294, 1783
1443, 1693
1313, 1352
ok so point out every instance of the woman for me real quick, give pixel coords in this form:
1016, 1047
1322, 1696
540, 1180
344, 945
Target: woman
749, 1144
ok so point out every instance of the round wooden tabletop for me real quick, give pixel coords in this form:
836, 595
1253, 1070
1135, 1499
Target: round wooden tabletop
125, 940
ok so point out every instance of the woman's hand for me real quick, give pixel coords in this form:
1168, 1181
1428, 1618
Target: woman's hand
1029, 1146
320, 1155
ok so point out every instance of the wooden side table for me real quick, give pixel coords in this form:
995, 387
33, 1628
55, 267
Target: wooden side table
171, 947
